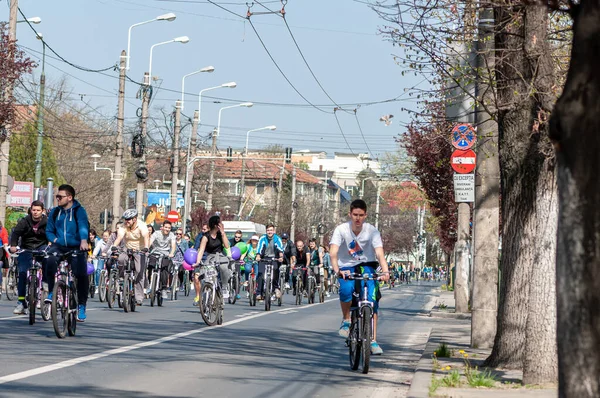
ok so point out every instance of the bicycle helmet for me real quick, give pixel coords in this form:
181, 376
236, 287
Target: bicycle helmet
285, 236
129, 214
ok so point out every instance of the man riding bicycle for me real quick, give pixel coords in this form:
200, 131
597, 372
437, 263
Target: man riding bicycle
163, 242
67, 230
298, 262
31, 229
135, 235
352, 245
289, 251
269, 247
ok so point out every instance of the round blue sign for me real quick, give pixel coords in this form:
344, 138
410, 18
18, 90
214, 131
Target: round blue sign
463, 136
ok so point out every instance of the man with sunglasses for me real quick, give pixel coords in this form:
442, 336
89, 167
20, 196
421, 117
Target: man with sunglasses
67, 229
237, 238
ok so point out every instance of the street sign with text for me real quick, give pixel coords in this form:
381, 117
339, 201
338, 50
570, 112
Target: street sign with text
464, 188
463, 162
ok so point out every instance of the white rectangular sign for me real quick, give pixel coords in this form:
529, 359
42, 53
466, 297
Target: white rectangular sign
464, 188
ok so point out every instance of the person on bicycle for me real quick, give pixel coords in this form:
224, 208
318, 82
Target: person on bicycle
249, 259
135, 235
163, 242
181, 245
269, 247
213, 242
67, 230
31, 230
298, 262
314, 259
4, 259
356, 246
237, 238
289, 251
326, 268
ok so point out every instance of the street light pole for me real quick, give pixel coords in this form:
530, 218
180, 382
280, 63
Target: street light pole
116, 208
165, 17
214, 149
40, 119
175, 175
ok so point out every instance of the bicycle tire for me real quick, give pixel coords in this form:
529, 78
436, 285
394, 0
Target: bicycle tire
32, 297
207, 305
11, 284
60, 310
46, 307
125, 293
132, 302
159, 298
92, 288
72, 325
298, 291
234, 290
366, 315
111, 292
252, 292
103, 286
353, 342
321, 295
311, 291
152, 294
186, 283
219, 307
268, 293
174, 287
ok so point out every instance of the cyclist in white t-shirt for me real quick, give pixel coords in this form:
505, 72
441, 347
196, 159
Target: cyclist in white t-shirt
356, 246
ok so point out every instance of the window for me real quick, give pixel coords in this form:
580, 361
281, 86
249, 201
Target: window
260, 188
300, 189
232, 188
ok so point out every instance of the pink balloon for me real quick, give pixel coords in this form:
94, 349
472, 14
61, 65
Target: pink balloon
187, 267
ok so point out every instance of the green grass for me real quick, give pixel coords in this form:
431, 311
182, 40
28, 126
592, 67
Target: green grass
443, 351
476, 378
442, 306
452, 379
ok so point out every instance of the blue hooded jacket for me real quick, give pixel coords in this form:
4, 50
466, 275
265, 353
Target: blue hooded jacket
264, 242
68, 227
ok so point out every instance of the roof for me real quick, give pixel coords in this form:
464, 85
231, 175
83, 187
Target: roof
258, 170
344, 195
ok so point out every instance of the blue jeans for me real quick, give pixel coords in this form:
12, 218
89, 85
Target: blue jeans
24, 262
78, 266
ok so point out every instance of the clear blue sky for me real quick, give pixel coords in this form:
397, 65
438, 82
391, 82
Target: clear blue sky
339, 38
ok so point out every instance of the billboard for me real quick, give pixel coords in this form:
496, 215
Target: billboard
158, 204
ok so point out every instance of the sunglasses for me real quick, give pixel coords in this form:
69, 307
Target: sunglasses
60, 197
178, 233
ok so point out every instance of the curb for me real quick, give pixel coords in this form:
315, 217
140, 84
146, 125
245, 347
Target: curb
419, 387
445, 314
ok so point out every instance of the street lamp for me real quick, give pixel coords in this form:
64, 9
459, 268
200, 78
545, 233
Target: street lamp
243, 104
165, 17
260, 129
33, 20
96, 168
180, 39
209, 69
188, 169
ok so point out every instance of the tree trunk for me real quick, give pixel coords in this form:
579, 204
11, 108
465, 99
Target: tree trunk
526, 315
575, 127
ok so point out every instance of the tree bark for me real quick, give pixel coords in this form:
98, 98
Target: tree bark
526, 317
574, 127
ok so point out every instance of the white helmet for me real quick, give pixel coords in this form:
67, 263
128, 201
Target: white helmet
129, 214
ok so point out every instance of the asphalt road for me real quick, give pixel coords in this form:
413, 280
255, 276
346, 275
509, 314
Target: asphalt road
291, 351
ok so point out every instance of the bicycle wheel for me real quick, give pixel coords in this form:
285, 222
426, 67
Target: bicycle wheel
298, 291
102, 287
268, 294
186, 283
92, 285
366, 335
174, 286
311, 291
353, 342
60, 309
132, 302
72, 325
321, 295
220, 306
46, 307
208, 306
32, 297
252, 292
11, 284
152, 294
125, 294
111, 292
159, 298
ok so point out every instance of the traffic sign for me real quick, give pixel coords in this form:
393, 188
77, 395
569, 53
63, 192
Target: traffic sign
173, 216
463, 162
464, 188
463, 136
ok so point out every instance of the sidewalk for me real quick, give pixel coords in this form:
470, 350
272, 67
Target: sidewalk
457, 336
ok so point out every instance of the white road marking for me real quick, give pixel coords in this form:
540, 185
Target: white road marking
71, 362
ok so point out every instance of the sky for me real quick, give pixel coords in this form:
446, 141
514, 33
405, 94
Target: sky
338, 38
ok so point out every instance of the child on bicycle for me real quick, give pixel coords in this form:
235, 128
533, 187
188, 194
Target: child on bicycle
353, 245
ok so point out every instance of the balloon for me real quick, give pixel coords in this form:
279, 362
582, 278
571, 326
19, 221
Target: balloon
235, 253
187, 267
242, 246
190, 256
90, 268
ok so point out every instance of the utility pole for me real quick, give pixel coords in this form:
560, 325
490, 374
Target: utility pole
242, 185
5, 147
377, 205
211, 178
175, 176
294, 205
486, 213
40, 122
461, 262
117, 178
279, 189
189, 170
139, 197
324, 207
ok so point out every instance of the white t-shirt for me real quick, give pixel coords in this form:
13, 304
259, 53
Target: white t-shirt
356, 249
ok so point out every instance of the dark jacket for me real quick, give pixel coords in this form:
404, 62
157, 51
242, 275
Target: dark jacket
30, 238
68, 227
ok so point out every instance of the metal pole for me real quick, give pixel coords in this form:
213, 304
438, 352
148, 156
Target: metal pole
211, 178
377, 205
40, 122
105, 219
294, 205
175, 175
49, 193
116, 210
242, 185
189, 171
323, 209
139, 197
279, 189
5, 147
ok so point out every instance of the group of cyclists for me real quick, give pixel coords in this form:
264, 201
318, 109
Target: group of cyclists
354, 246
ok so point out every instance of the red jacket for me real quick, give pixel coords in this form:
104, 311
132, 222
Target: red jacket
4, 238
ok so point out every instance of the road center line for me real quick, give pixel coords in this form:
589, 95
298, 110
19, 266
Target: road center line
71, 362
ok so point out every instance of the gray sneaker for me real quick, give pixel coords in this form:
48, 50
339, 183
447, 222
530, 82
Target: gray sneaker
164, 293
345, 329
19, 309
